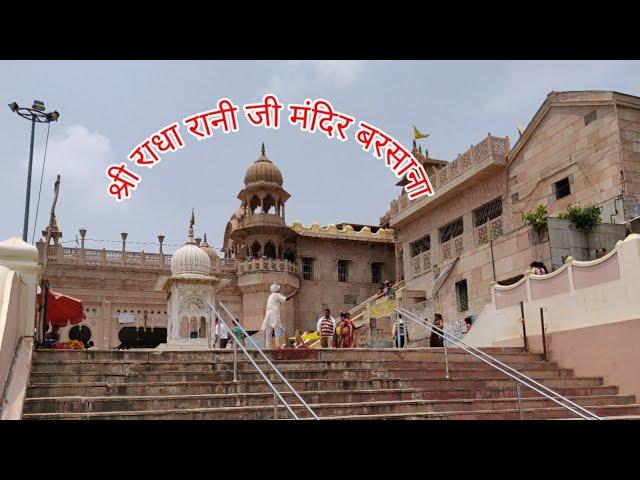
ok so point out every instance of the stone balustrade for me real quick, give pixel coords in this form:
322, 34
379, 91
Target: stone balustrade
80, 256
262, 219
89, 256
448, 175
266, 265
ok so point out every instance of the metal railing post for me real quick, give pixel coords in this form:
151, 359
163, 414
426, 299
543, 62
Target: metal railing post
446, 359
519, 400
524, 327
235, 360
275, 406
544, 339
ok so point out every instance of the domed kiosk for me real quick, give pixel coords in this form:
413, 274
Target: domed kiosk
190, 290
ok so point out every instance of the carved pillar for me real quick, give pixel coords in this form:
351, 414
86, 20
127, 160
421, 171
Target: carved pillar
83, 232
124, 247
161, 239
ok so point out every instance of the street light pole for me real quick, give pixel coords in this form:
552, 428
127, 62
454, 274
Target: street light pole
25, 229
36, 114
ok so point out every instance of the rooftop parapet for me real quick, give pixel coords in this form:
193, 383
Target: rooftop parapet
484, 158
332, 231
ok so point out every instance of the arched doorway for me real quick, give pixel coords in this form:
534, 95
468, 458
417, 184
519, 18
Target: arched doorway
270, 250
256, 249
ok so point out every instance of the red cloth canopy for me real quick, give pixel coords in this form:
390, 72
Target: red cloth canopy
63, 310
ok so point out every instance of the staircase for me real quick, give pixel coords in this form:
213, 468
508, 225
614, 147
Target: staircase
350, 384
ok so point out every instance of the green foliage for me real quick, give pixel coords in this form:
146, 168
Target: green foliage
536, 219
585, 217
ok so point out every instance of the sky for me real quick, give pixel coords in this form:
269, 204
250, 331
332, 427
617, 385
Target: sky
108, 107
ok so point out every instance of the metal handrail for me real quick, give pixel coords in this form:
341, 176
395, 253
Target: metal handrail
519, 377
266, 379
372, 298
293, 390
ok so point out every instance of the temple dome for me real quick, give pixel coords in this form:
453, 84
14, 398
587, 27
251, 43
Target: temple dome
263, 170
208, 249
190, 259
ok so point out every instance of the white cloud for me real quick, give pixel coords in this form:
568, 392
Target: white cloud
76, 154
535, 79
297, 74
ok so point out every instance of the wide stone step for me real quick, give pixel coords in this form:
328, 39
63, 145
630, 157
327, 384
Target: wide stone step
606, 412
450, 389
507, 382
125, 367
164, 402
247, 375
421, 354
503, 408
319, 401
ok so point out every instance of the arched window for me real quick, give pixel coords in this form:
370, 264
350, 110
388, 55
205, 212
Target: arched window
203, 328
270, 250
254, 203
194, 327
289, 255
268, 203
256, 249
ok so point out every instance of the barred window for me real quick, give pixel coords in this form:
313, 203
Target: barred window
562, 188
487, 212
422, 245
452, 230
463, 298
376, 272
343, 270
307, 268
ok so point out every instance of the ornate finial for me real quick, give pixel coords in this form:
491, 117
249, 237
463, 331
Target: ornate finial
191, 223
414, 144
204, 243
263, 150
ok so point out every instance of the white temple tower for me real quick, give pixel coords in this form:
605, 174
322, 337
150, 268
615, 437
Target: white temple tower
190, 289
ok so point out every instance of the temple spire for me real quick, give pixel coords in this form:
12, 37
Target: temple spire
191, 224
263, 150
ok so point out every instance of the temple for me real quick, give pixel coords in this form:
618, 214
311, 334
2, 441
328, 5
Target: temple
539, 343
447, 250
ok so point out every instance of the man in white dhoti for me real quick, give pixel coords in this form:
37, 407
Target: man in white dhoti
272, 322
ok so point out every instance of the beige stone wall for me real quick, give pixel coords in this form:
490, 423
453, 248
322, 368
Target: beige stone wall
563, 146
325, 290
629, 123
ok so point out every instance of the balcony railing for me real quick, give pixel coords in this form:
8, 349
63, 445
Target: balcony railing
266, 265
87, 256
452, 249
489, 231
448, 174
421, 263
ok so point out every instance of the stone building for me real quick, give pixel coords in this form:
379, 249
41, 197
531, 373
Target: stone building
579, 148
337, 266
